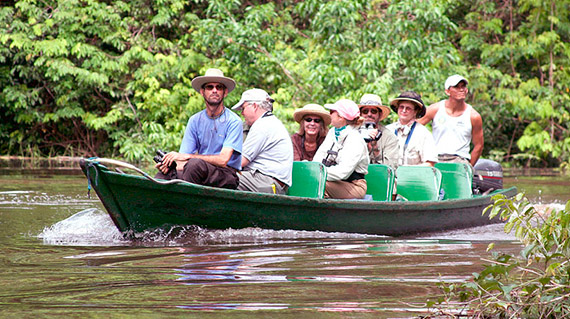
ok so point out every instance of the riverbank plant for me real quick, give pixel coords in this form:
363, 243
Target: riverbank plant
533, 284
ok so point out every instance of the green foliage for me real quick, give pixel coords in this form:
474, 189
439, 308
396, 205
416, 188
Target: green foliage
520, 50
112, 78
535, 284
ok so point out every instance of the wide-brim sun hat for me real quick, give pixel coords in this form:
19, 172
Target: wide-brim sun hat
374, 100
412, 97
312, 109
213, 75
345, 108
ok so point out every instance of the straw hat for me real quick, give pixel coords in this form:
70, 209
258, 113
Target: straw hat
412, 97
374, 100
314, 109
213, 75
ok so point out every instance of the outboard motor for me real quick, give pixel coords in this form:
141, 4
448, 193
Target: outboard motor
487, 176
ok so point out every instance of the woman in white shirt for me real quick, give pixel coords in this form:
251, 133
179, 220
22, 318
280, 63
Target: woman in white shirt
417, 146
344, 152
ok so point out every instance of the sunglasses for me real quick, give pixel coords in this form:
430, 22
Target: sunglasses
218, 87
309, 120
373, 111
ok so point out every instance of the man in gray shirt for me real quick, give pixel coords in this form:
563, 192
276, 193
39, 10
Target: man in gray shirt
267, 156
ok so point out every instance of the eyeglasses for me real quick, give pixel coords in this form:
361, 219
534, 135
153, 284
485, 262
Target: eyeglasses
218, 87
373, 111
407, 108
309, 120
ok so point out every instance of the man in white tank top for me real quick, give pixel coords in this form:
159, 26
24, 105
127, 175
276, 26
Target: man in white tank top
455, 124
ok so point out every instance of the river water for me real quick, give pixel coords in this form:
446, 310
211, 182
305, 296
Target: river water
61, 256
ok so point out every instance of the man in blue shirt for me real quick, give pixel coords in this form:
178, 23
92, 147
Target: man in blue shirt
212, 143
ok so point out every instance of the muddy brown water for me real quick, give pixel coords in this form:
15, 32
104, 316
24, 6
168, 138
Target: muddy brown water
61, 256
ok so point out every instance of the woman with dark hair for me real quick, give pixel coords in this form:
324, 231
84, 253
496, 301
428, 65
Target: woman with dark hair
313, 121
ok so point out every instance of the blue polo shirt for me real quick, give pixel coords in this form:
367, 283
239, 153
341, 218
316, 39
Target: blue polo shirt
207, 136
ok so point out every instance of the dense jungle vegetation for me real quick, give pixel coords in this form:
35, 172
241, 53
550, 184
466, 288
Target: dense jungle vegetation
112, 78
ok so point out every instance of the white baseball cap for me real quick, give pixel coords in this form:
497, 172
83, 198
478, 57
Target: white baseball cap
252, 95
454, 80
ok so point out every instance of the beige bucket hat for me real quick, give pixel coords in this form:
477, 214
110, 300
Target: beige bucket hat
374, 100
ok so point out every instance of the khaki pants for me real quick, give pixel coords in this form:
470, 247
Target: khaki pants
256, 181
346, 190
452, 158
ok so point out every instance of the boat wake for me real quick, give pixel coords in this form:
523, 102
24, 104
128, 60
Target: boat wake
89, 227
94, 227
194, 235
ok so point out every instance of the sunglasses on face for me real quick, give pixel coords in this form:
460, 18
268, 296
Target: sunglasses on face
372, 111
309, 120
210, 87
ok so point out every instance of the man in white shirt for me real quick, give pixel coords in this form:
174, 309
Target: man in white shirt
455, 124
267, 156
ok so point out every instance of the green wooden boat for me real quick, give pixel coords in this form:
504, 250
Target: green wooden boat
137, 203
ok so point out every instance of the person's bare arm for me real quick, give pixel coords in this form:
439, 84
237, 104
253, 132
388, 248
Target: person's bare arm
476, 136
430, 114
220, 159
244, 161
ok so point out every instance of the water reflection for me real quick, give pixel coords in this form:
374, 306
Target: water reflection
62, 255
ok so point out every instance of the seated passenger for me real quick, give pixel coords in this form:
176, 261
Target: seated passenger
344, 153
314, 123
382, 143
267, 156
417, 146
208, 159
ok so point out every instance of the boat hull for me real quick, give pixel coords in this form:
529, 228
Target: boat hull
137, 204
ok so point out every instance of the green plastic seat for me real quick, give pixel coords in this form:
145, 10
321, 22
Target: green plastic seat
418, 183
309, 180
380, 182
456, 180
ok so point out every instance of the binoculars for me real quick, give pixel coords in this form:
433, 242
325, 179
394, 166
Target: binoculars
160, 157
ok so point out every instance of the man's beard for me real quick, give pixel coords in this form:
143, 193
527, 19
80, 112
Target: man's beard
214, 102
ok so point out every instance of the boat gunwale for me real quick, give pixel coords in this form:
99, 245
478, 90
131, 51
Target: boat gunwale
260, 198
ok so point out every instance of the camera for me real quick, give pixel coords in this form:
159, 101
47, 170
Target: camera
330, 159
366, 128
370, 125
160, 157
